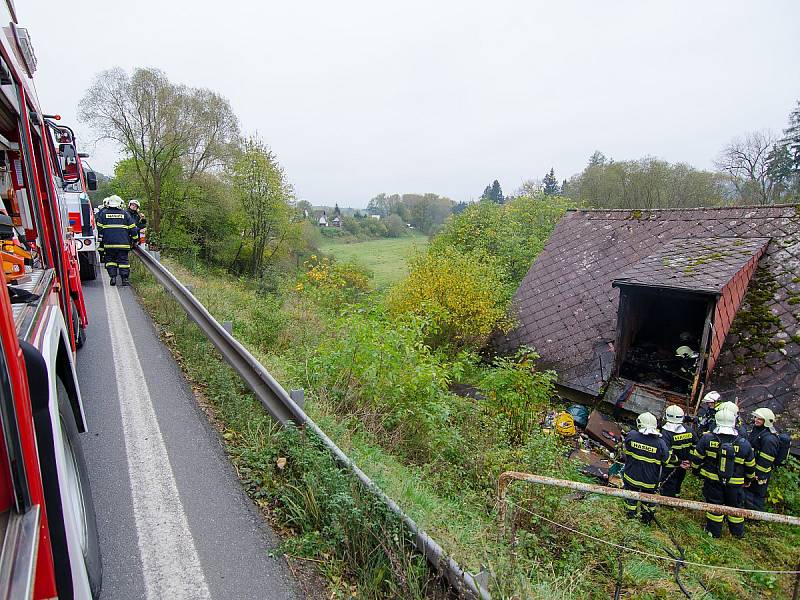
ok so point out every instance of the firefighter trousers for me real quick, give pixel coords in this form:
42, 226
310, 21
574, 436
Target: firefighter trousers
673, 480
755, 496
117, 262
716, 492
648, 509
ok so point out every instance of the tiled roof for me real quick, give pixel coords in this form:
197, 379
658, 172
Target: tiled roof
694, 264
567, 307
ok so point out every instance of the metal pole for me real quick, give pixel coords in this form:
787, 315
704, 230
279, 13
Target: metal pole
754, 515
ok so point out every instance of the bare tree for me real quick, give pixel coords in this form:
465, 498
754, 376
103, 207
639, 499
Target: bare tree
746, 162
166, 128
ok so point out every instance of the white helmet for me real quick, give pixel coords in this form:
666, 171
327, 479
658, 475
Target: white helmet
712, 397
674, 414
646, 421
134, 202
731, 406
767, 415
685, 352
725, 417
114, 201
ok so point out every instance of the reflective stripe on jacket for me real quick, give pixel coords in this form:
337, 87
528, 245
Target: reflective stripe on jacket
681, 444
116, 228
705, 459
645, 456
765, 448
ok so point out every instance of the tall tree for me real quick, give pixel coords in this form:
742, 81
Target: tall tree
550, 184
487, 193
265, 195
746, 163
792, 137
497, 192
162, 126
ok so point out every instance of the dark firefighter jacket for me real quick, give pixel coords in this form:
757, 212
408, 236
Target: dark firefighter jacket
706, 461
765, 447
705, 418
138, 220
645, 456
681, 444
116, 229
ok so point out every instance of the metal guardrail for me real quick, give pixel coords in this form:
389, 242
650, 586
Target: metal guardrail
284, 410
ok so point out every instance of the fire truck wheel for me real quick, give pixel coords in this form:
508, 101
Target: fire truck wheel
80, 332
88, 269
79, 494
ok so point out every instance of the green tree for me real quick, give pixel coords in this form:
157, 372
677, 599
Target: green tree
792, 137
497, 192
645, 183
550, 184
510, 235
261, 187
163, 127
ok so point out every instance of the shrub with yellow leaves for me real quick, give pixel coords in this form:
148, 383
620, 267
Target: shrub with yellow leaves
462, 296
332, 280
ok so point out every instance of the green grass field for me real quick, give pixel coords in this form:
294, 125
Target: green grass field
386, 258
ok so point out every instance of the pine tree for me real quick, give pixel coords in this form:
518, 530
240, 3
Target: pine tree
487, 193
497, 192
550, 183
792, 138
564, 188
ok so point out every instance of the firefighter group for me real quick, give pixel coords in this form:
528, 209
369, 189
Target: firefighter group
118, 231
734, 463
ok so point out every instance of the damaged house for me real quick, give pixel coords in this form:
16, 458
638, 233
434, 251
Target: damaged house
644, 308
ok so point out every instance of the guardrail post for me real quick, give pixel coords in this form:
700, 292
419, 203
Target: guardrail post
189, 288
299, 397
228, 326
156, 254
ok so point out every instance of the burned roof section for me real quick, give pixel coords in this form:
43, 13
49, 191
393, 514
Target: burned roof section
567, 306
704, 264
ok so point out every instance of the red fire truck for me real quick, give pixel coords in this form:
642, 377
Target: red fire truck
78, 181
47, 520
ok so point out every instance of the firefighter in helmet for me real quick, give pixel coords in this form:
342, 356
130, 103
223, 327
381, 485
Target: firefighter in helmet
705, 416
681, 441
116, 231
646, 454
137, 216
725, 461
766, 445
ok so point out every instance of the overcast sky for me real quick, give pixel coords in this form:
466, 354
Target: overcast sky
358, 98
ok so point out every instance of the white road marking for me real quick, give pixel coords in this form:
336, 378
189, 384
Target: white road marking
169, 558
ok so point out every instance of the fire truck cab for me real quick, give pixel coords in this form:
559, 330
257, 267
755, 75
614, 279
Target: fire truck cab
78, 181
50, 544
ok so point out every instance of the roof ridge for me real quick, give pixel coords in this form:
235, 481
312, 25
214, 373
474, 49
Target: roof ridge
676, 208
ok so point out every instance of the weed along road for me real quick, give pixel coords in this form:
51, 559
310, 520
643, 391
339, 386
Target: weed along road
173, 519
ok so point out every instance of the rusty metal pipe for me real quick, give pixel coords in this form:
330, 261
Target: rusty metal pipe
754, 515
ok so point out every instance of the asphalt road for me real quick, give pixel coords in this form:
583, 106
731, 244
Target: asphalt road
173, 519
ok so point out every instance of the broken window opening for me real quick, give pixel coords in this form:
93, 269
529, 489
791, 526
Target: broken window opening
660, 334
